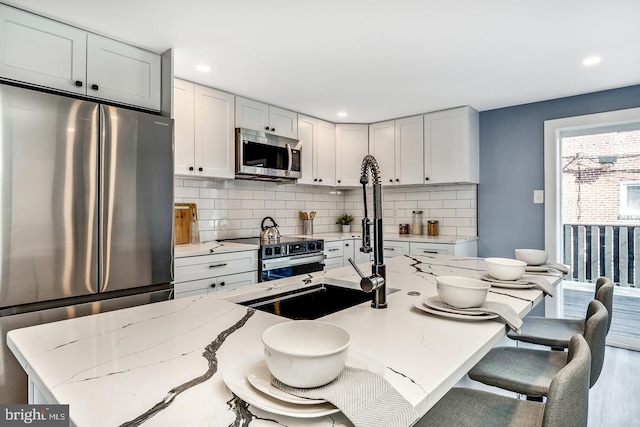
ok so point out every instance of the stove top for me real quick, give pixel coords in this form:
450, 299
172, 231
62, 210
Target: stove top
287, 246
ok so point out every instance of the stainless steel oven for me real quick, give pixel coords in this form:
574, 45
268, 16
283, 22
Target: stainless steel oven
261, 155
287, 258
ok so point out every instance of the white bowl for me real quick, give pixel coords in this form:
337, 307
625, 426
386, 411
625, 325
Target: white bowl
462, 292
505, 268
305, 353
532, 256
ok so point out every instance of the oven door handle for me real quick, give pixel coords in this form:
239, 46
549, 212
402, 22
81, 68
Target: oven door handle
292, 261
290, 157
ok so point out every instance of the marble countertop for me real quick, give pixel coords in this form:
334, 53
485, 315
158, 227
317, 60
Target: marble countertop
162, 364
392, 236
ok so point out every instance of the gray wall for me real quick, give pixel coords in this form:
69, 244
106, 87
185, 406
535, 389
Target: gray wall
512, 166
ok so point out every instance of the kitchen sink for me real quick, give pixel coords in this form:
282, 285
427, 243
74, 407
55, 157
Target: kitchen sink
311, 302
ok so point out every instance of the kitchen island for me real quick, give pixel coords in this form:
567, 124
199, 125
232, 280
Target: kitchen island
163, 364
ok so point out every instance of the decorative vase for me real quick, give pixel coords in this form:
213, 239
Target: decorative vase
346, 228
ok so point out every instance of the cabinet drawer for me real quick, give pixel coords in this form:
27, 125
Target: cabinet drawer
236, 280
392, 248
214, 284
207, 266
334, 249
431, 248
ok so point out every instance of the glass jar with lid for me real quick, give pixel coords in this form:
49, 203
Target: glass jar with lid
432, 228
416, 226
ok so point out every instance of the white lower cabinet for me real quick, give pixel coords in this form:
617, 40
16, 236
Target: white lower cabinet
338, 253
467, 248
209, 273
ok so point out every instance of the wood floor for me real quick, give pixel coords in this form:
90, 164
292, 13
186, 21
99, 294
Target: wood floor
613, 400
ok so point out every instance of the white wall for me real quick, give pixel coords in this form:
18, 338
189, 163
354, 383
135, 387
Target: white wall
235, 208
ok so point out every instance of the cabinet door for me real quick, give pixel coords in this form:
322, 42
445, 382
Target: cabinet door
307, 133
348, 251
451, 146
409, 151
382, 147
420, 248
283, 122
325, 154
183, 125
251, 114
236, 281
122, 73
214, 133
42, 52
351, 146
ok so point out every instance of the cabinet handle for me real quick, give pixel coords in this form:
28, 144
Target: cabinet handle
213, 285
78, 83
315, 180
218, 265
273, 129
95, 87
397, 180
390, 180
430, 252
190, 168
339, 181
320, 179
222, 283
426, 179
200, 169
334, 249
389, 249
266, 128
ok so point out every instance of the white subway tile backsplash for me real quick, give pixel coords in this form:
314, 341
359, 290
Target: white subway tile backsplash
235, 208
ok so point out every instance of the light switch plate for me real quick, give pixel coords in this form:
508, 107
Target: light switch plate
538, 196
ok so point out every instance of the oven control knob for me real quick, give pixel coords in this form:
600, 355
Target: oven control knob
312, 246
268, 251
277, 250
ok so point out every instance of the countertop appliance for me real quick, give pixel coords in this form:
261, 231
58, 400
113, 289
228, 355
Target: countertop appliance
261, 155
86, 193
289, 257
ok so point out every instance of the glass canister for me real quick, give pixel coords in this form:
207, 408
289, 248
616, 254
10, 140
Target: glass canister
432, 227
416, 226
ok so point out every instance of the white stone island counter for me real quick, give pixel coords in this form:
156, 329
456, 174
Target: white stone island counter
163, 364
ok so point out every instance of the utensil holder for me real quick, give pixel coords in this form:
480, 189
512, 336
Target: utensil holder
307, 226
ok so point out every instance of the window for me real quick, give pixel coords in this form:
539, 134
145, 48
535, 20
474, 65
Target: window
629, 200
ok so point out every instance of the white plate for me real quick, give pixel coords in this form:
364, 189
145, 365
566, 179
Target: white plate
419, 305
259, 377
429, 302
507, 284
235, 377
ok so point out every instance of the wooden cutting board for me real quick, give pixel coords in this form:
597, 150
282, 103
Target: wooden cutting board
182, 214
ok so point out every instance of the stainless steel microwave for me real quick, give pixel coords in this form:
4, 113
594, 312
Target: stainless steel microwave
260, 155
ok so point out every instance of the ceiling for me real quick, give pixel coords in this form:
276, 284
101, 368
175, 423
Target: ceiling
378, 59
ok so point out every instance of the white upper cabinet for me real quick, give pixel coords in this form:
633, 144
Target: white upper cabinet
43, 52
451, 146
122, 73
352, 141
204, 131
318, 151
382, 147
409, 149
265, 118
397, 145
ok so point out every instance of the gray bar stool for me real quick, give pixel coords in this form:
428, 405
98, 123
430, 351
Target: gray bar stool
530, 371
566, 406
556, 333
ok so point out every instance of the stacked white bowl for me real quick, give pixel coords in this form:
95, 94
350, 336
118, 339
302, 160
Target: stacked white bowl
505, 268
462, 292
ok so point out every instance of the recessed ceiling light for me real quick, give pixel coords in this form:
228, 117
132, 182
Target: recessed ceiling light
203, 68
342, 114
592, 60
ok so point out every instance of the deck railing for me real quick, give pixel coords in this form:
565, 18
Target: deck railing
603, 250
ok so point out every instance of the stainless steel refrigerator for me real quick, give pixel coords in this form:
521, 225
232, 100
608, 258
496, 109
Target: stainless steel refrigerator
86, 207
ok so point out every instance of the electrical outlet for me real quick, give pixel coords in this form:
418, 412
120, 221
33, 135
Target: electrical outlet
538, 196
